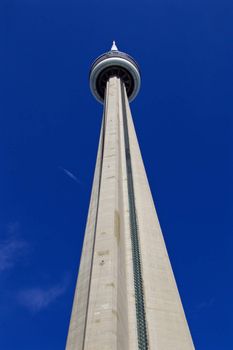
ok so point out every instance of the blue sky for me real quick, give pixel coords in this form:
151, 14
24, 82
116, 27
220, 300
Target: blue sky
49, 130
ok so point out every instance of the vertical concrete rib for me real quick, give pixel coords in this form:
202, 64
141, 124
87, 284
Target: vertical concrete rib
166, 322
103, 315
76, 333
95, 225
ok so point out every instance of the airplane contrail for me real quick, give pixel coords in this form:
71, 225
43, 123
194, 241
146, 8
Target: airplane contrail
71, 175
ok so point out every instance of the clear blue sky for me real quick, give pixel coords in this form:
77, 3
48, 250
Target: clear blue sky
49, 130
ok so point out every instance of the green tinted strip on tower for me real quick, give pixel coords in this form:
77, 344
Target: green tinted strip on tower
138, 283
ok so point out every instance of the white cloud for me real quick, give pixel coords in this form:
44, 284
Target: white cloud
12, 248
37, 299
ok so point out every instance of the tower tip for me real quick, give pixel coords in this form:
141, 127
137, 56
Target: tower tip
114, 47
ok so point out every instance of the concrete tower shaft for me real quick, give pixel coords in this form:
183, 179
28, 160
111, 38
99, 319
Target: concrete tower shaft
126, 296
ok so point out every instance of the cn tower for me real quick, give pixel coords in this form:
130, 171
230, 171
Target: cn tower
126, 296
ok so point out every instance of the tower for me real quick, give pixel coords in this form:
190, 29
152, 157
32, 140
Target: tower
126, 296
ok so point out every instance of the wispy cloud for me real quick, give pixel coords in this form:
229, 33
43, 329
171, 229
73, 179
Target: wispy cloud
13, 228
37, 299
12, 248
70, 175
205, 304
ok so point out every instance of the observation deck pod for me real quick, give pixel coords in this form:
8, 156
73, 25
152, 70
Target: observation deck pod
114, 63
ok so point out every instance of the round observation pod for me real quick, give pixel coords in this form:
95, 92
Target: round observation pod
114, 63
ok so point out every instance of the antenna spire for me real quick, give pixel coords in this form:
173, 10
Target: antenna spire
114, 47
